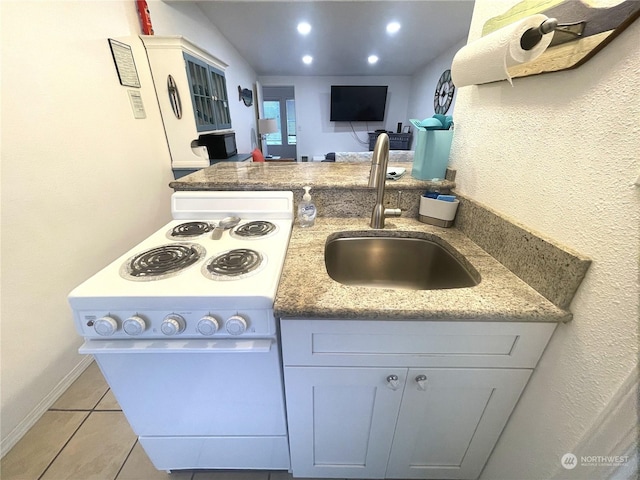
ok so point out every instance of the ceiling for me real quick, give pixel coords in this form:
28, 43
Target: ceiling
343, 35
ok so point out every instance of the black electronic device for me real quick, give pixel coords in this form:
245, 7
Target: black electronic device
358, 103
219, 145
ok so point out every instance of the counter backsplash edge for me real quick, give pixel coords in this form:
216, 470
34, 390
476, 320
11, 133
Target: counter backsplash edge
551, 269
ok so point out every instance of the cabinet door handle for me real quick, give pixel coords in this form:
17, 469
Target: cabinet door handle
421, 380
392, 382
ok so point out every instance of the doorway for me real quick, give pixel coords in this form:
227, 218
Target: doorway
280, 103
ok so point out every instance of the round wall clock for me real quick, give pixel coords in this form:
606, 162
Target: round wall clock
444, 93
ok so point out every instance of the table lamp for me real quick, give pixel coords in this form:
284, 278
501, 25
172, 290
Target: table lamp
266, 126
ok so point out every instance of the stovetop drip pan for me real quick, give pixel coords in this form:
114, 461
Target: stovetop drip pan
162, 261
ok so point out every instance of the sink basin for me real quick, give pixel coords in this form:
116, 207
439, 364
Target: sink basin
395, 262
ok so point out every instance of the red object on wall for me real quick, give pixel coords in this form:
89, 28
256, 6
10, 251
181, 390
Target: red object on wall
145, 17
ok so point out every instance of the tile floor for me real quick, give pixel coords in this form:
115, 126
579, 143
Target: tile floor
85, 436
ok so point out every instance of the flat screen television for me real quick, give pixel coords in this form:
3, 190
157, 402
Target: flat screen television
353, 103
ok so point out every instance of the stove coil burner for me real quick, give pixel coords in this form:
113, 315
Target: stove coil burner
234, 264
256, 229
190, 229
161, 262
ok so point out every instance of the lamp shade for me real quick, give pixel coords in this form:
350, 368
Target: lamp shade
267, 125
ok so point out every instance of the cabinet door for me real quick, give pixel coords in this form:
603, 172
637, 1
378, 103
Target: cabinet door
201, 94
341, 420
450, 420
220, 98
208, 95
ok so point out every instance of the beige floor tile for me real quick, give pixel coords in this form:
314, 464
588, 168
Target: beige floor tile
35, 451
108, 402
139, 467
85, 392
97, 450
231, 475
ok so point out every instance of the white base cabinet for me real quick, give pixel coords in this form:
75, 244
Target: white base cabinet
448, 427
341, 420
428, 418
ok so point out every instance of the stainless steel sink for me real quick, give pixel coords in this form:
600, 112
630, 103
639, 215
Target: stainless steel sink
395, 262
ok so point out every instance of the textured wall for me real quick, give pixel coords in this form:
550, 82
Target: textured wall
559, 153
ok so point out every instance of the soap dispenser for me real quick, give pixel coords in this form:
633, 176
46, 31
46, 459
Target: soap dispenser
306, 210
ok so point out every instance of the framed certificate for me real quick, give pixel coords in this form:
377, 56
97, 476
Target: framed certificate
125, 64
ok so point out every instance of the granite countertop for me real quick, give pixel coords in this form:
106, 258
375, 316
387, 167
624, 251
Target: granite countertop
291, 176
306, 290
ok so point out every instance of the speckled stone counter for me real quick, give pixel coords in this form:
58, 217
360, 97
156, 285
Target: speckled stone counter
306, 290
294, 176
524, 276
394, 156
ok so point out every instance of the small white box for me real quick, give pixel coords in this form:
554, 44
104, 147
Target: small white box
438, 212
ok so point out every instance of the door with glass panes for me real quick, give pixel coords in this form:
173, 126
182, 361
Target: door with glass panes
279, 103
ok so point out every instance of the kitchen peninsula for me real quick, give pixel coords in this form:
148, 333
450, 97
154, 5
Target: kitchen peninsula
293, 175
327, 180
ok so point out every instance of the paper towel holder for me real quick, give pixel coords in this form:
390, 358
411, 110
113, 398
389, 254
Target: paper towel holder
531, 37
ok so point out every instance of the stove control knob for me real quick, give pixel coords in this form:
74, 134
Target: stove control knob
208, 325
105, 326
236, 325
134, 325
172, 324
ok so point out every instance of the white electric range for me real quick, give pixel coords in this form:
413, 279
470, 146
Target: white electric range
182, 328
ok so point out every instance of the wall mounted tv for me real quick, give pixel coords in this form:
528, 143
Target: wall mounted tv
352, 103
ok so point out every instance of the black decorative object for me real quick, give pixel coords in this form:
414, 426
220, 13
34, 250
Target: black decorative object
444, 93
245, 95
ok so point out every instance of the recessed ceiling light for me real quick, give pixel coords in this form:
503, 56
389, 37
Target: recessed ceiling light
304, 28
372, 59
307, 59
393, 27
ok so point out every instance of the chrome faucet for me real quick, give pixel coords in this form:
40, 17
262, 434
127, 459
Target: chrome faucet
377, 177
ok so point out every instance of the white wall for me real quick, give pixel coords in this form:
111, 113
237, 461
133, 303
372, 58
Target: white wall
559, 153
82, 180
317, 135
74, 162
424, 81
187, 19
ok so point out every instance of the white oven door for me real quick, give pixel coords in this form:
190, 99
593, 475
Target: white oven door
174, 387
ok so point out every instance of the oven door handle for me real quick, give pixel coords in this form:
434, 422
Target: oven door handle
226, 346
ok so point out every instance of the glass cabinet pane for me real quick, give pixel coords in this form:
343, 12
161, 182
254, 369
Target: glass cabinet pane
220, 100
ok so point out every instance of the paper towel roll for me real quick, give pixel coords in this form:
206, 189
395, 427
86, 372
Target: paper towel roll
487, 59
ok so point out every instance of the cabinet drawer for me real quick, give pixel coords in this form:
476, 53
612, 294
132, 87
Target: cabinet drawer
413, 343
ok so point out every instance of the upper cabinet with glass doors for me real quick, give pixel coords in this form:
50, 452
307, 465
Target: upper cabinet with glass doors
192, 94
208, 95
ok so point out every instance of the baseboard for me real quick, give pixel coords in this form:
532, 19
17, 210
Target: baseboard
32, 417
613, 433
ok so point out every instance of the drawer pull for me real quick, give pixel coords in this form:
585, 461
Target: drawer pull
392, 382
421, 380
